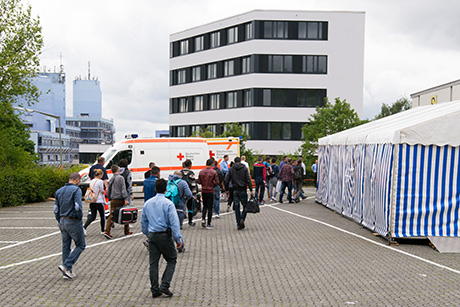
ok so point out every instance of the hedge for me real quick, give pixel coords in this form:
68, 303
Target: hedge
35, 184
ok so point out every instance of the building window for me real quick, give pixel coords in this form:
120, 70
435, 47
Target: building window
215, 39
246, 65
184, 47
267, 98
280, 63
231, 101
196, 73
212, 71
248, 28
275, 29
198, 103
181, 79
232, 35
247, 98
199, 43
212, 129
311, 30
195, 129
214, 100
229, 68
314, 64
183, 105
181, 131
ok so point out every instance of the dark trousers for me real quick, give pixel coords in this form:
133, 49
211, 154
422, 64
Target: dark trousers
240, 197
284, 185
190, 208
260, 189
94, 209
208, 202
161, 244
230, 198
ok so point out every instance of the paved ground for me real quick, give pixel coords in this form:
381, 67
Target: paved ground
288, 255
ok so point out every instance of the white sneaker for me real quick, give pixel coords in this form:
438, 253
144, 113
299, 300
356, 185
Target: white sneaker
209, 227
66, 272
217, 216
84, 231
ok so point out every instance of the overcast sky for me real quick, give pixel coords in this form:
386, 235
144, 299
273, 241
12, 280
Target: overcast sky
410, 45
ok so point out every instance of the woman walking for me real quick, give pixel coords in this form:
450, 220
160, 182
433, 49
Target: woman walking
97, 185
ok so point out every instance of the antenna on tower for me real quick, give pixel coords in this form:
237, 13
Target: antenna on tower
61, 70
89, 70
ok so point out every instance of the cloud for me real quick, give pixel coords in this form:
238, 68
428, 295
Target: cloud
409, 46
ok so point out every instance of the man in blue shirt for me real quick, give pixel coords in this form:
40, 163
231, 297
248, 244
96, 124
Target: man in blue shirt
69, 212
99, 165
224, 165
160, 223
149, 183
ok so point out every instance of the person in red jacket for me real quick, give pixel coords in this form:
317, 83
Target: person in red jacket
208, 180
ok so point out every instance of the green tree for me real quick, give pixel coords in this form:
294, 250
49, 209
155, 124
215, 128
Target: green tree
20, 47
204, 133
402, 104
328, 119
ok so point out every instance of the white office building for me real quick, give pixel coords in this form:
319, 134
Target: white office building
266, 70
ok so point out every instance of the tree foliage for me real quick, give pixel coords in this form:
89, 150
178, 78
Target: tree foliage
328, 119
399, 105
20, 47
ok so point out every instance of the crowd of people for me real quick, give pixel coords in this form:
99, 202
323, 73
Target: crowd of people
167, 203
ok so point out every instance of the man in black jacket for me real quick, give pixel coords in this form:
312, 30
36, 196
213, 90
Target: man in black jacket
239, 175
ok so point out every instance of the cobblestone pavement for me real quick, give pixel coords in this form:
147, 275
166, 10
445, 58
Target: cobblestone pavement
288, 255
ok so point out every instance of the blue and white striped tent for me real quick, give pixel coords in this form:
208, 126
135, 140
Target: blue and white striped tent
399, 176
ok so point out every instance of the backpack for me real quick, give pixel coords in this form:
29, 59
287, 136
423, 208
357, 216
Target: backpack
90, 196
186, 178
298, 173
172, 191
220, 175
269, 171
125, 175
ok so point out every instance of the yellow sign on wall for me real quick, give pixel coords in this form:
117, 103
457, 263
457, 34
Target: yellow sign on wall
434, 99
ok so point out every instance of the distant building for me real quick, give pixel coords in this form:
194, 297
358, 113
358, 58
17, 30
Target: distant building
438, 94
162, 133
267, 70
87, 116
45, 129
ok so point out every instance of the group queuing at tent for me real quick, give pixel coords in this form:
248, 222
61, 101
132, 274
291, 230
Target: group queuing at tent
398, 176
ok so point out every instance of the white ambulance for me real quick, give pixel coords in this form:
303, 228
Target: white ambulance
167, 153
219, 147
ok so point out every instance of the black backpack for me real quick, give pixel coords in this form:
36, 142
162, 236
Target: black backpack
269, 172
186, 178
298, 172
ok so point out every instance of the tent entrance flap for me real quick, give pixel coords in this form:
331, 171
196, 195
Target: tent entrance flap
446, 244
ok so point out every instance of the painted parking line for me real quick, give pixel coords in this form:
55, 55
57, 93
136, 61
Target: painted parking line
366, 239
26, 228
31, 240
9, 242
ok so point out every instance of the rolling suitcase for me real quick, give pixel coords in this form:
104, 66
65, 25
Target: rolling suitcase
125, 215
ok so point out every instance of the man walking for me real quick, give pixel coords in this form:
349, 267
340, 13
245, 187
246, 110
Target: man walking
184, 195
189, 176
286, 176
224, 165
220, 176
148, 173
208, 180
239, 176
118, 197
314, 168
160, 223
260, 178
68, 211
149, 183
99, 165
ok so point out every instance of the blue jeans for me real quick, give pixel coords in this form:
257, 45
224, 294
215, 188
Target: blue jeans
285, 184
260, 189
240, 196
71, 230
216, 199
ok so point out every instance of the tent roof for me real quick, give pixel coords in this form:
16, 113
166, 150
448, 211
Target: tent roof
428, 125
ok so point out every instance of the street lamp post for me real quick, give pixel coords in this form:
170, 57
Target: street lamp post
50, 115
